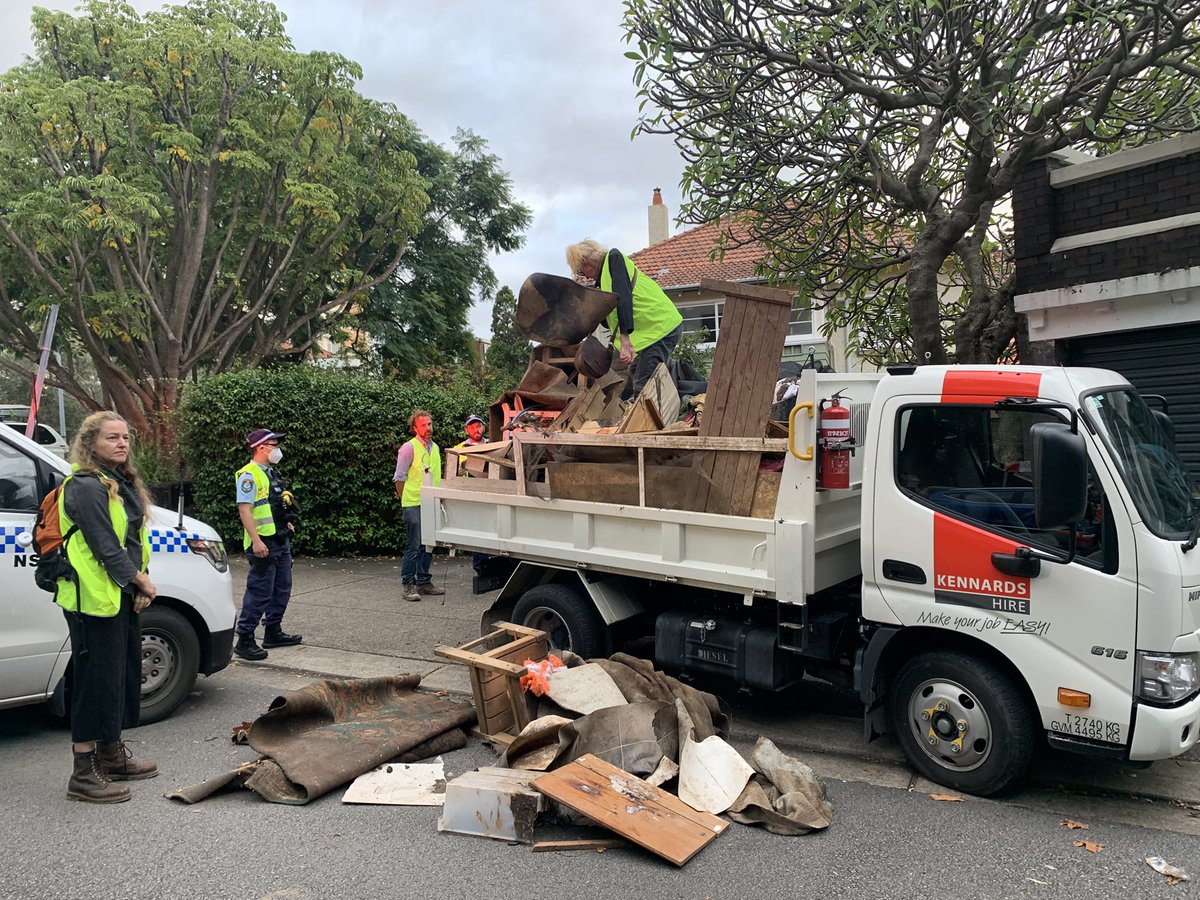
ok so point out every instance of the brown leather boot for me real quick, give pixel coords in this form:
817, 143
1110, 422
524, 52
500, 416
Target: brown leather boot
119, 765
89, 783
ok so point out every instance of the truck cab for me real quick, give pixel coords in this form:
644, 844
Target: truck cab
1095, 637
187, 631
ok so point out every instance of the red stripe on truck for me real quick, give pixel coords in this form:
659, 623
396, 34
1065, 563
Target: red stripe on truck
988, 387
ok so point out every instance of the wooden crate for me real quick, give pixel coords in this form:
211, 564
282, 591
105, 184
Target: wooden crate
495, 663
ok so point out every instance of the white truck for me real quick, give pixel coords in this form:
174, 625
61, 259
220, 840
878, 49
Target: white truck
188, 630
1015, 556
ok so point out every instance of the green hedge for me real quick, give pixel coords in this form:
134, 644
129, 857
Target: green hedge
343, 432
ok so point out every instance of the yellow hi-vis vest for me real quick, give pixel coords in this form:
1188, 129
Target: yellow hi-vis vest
91, 591
654, 314
423, 461
264, 521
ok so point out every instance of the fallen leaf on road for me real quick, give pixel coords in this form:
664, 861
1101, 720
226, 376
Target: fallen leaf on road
950, 798
1185, 804
1090, 846
1173, 874
1072, 824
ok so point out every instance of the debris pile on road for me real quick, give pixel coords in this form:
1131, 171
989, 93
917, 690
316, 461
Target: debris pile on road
602, 739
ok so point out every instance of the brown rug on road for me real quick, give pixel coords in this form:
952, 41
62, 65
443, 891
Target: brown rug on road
329, 732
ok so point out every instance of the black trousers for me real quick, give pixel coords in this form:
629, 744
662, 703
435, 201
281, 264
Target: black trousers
106, 679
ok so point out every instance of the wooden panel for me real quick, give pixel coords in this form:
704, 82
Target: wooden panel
667, 487
738, 403
634, 809
766, 495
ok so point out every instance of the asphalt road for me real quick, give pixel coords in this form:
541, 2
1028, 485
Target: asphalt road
884, 841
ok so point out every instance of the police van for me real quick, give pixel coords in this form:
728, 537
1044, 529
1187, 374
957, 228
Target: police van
188, 630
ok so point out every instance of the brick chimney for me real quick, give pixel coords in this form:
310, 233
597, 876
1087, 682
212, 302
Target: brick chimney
659, 220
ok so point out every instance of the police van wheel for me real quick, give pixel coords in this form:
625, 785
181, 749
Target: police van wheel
569, 619
170, 659
962, 722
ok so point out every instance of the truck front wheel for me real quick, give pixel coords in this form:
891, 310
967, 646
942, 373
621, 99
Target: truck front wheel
569, 619
170, 659
962, 722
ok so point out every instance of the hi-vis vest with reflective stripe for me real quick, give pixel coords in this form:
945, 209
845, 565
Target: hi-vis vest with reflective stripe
91, 591
422, 460
654, 315
264, 521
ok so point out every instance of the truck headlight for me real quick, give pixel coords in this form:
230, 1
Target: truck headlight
213, 551
1166, 677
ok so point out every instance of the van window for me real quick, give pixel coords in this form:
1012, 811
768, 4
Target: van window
41, 434
973, 463
18, 480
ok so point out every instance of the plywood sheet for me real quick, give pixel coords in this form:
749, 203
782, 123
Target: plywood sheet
631, 807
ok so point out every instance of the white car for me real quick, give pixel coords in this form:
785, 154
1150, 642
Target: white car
188, 630
44, 436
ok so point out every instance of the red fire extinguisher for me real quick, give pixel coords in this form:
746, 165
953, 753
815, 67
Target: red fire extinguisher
836, 443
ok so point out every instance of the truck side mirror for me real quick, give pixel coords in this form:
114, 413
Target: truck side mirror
1059, 474
1165, 424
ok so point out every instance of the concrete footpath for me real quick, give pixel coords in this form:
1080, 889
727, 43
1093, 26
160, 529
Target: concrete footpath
355, 624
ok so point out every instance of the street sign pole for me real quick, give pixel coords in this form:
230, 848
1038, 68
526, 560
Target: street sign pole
43, 364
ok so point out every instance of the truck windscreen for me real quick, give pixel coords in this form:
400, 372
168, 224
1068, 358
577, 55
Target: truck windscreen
1145, 454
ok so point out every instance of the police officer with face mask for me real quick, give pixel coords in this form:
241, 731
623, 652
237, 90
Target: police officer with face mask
267, 513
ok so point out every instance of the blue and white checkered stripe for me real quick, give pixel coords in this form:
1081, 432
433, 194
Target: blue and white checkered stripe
168, 540
8, 539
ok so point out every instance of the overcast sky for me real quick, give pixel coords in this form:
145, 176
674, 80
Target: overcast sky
544, 82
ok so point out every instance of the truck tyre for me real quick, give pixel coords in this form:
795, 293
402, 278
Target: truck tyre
170, 660
962, 722
569, 619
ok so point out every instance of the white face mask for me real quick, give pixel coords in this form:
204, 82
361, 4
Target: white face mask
274, 456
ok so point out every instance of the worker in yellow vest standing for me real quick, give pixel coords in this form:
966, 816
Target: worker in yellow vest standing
418, 463
267, 513
102, 512
647, 322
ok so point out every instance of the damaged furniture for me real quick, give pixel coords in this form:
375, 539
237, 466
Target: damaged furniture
496, 666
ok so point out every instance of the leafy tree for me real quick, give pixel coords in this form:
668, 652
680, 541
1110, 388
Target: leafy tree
194, 193
508, 354
419, 316
870, 146
689, 350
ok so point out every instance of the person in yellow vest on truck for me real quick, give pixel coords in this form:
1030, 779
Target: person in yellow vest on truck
264, 506
418, 463
102, 511
646, 322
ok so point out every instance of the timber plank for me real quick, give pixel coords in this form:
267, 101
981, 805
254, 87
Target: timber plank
634, 809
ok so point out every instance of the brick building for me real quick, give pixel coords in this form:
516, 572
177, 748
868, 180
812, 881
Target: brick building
1108, 269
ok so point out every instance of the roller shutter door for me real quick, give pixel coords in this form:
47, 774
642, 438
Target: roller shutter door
1162, 361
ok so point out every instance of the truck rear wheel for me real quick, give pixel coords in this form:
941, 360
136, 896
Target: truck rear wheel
569, 619
170, 660
962, 722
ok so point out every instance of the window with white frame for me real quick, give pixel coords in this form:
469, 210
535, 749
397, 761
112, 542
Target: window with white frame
701, 316
800, 324
708, 315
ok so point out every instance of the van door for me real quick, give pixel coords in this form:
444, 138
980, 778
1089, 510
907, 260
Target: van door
954, 487
33, 632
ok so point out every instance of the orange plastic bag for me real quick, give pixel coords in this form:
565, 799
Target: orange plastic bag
537, 679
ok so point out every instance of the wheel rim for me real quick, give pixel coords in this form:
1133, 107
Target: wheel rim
159, 662
950, 724
558, 635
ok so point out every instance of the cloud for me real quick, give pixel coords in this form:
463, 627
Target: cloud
545, 83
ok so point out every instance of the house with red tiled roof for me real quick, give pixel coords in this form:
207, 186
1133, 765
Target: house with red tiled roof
679, 263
